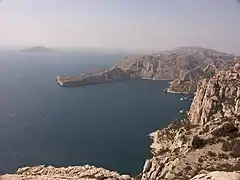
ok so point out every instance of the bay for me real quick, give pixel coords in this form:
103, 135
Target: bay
104, 125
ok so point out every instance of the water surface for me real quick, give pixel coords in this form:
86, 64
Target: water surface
103, 125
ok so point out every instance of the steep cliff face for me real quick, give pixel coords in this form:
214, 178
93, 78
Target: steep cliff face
217, 98
188, 81
207, 140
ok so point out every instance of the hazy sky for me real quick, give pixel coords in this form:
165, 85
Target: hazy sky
121, 24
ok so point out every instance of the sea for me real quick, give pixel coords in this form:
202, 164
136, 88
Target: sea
105, 125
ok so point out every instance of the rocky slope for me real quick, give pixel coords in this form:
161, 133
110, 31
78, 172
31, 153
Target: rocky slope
207, 140
185, 65
189, 80
173, 64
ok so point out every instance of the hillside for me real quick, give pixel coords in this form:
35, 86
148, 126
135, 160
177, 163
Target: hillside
207, 140
185, 66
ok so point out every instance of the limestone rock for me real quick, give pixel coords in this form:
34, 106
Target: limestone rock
218, 175
207, 140
216, 98
71, 173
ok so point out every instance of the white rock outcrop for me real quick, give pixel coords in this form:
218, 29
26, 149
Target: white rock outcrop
65, 173
218, 175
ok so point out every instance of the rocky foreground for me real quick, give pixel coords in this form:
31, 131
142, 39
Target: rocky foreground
203, 146
71, 173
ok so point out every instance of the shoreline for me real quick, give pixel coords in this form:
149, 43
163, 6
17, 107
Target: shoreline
176, 92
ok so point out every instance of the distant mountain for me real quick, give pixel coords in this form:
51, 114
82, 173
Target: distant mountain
37, 49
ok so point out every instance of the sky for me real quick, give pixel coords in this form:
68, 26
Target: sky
121, 24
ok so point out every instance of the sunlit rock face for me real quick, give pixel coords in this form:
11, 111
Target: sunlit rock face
207, 140
218, 97
218, 175
65, 173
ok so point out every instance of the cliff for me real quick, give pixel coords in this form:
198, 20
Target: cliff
189, 80
217, 97
207, 140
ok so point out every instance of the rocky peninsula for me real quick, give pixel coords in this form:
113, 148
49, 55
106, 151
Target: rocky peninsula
184, 66
204, 145
110, 75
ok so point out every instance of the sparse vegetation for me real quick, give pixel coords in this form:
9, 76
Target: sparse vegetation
200, 160
225, 130
236, 149
223, 156
211, 154
227, 146
198, 142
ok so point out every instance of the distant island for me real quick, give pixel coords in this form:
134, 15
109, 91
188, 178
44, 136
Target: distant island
37, 49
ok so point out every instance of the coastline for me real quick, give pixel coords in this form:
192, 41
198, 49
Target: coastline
203, 143
176, 92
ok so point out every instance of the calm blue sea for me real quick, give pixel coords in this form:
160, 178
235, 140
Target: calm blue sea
103, 125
